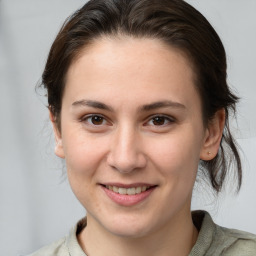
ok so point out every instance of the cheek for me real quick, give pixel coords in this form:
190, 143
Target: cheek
84, 157
177, 154
83, 154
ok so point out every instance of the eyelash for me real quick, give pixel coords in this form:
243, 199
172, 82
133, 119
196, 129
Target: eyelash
86, 118
167, 120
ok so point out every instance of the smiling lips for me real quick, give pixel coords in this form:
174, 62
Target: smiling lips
128, 191
128, 196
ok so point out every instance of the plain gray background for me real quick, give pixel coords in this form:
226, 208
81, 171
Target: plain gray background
36, 203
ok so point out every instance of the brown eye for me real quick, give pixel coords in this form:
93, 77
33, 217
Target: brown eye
97, 120
159, 120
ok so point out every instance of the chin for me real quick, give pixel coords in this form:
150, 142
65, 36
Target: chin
128, 232
128, 226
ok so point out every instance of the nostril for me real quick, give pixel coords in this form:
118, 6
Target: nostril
124, 163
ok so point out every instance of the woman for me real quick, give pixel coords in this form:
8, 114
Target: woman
138, 100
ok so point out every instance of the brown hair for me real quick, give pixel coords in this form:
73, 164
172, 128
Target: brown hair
177, 24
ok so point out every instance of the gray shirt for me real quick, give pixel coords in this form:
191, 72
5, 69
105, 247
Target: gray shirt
213, 240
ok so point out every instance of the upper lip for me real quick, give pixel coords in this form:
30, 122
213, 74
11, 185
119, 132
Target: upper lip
131, 185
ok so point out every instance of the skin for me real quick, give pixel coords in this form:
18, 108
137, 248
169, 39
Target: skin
128, 145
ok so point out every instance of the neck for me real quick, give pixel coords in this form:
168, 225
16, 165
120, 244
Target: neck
176, 238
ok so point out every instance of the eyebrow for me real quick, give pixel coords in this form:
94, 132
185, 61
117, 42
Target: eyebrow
93, 104
162, 104
147, 107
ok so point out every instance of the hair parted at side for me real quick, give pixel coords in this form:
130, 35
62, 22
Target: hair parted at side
173, 22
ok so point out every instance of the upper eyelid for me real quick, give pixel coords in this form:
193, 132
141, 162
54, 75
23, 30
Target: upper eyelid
92, 115
85, 117
170, 120
162, 115
147, 119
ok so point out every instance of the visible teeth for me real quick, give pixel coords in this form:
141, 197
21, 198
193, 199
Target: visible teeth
122, 191
128, 191
138, 190
115, 189
131, 191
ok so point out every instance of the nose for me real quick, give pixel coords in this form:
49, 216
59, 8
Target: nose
126, 151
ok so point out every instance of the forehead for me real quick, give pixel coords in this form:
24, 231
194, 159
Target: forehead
147, 67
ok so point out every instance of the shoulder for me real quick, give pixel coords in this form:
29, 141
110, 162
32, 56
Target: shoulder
66, 246
238, 242
220, 241
57, 248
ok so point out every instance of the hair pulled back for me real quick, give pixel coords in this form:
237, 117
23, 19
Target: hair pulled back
177, 24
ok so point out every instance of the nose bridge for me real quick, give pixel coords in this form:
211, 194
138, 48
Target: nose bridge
126, 143
126, 151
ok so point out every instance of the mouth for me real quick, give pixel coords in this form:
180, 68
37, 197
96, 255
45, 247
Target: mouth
135, 190
128, 195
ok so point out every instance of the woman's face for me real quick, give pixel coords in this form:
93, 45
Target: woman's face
131, 120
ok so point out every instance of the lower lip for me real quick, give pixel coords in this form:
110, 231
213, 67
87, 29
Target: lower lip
128, 200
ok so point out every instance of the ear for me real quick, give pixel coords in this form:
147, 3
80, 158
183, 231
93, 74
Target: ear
57, 135
213, 136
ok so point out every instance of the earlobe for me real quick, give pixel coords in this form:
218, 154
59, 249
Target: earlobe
58, 139
59, 149
213, 136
